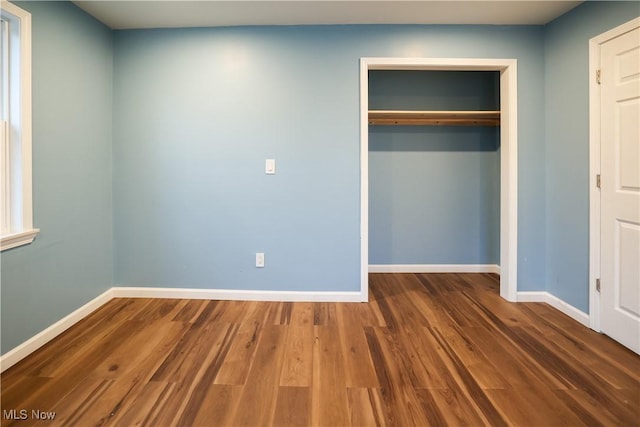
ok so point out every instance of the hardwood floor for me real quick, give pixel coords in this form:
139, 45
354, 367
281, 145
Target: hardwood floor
428, 349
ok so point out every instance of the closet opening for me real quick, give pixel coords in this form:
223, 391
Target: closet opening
439, 167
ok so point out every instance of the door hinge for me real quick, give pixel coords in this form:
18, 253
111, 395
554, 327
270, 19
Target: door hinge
598, 73
598, 181
598, 285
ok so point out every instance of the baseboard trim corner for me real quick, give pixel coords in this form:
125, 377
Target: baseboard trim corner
555, 302
434, 268
23, 350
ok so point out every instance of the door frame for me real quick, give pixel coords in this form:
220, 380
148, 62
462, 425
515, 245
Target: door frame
594, 165
508, 156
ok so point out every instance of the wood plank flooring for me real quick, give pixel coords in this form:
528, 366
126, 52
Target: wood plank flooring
428, 349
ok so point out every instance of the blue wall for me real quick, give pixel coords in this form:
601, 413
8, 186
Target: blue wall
198, 110
71, 260
567, 143
434, 192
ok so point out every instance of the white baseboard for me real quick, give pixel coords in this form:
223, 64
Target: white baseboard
18, 353
566, 308
434, 268
23, 350
237, 295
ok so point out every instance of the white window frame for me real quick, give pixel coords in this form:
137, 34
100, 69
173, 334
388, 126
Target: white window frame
15, 152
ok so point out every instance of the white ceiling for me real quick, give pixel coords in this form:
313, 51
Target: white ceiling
207, 13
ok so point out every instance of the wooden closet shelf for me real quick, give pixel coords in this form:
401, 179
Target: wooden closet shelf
434, 118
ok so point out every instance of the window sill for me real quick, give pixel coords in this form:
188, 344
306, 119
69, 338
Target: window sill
14, 240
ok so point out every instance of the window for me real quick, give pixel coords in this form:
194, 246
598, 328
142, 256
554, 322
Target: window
16, 212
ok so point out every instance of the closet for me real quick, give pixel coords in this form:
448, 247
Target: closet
434, 167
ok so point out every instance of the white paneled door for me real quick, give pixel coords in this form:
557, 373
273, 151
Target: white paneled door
620, 188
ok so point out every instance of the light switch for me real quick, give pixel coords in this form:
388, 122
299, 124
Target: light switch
270, 167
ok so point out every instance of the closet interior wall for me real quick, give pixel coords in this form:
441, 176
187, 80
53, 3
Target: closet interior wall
434, 190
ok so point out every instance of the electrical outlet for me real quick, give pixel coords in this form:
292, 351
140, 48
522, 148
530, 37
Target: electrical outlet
260, 259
